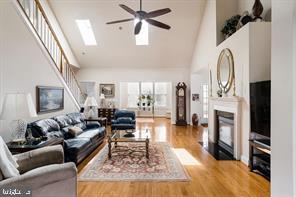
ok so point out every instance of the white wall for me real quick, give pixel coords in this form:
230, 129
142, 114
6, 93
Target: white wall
206, 39
59, 33
23, 66
282, 101
117, 75
224, 11
196, 81
250, 47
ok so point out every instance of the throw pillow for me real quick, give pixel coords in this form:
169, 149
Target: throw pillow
75, 131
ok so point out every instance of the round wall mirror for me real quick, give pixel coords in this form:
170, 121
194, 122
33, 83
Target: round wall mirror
225, 70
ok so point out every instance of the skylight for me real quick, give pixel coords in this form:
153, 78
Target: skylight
86, 32
143, 37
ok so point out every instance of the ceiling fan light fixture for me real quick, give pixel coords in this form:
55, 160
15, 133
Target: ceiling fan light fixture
142, 38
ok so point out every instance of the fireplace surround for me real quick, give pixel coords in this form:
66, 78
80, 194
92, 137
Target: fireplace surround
230, 105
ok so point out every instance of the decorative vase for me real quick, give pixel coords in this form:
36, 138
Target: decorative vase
194, 119
257, 10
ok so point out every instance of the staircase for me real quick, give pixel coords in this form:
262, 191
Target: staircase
36, 19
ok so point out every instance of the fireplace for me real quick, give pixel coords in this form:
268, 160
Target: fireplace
232, 107
225, 131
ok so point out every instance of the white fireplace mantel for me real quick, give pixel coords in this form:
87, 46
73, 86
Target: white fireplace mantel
226, 104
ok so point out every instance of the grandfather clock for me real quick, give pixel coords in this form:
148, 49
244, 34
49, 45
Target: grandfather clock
181, 104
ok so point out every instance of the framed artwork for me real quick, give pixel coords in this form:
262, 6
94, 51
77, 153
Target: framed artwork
108, 90
49, 99
195, 97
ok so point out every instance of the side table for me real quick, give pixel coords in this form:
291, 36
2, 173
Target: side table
21, 148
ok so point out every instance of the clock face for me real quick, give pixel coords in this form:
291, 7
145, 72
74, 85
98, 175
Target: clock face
181, 92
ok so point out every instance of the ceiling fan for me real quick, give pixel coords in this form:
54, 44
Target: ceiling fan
142, 15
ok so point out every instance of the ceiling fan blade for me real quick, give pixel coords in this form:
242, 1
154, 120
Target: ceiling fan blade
157, 13
120, 21
158, 24
129, 10
138, 27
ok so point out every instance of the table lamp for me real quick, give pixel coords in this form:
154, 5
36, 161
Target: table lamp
16, 108
91, 102
102, 99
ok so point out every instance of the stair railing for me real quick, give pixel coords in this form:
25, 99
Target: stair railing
40, 23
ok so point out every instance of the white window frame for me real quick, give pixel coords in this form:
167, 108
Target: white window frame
205, 101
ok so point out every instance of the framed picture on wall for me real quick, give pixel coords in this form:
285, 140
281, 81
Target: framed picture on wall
195, 97
108, 90
49, 99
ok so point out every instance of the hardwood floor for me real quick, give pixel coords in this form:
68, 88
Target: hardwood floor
209, 177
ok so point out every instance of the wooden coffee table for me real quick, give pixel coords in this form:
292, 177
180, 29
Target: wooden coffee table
139, 136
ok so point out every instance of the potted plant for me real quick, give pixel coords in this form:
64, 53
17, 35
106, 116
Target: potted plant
149, 100
230, 25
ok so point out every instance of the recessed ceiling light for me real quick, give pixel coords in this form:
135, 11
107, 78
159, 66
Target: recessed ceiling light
143, 37
86, 32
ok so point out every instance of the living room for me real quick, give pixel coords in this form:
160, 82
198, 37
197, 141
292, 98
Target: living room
181, 98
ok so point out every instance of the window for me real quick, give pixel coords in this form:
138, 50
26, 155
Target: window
133, 90
158, 91
147, 88
205, 100
160, 94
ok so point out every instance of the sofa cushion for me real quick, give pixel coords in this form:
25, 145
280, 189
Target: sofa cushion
44, 126
92, 133
75, 131
124, 120
93, 125
76, 117
63, 120
55, 134
81, 125
76, 145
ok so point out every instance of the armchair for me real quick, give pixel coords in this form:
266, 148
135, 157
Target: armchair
45, 173
124, 120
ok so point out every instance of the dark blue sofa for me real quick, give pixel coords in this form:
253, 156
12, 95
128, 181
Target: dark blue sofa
76, 148
124, 120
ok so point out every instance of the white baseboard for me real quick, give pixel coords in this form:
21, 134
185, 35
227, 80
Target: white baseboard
245, 159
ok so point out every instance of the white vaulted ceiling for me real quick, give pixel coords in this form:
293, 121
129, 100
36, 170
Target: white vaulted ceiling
117, 48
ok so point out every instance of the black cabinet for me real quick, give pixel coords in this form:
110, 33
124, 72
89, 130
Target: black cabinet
259, 154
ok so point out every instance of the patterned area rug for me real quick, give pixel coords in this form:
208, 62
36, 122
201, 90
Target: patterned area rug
129, 163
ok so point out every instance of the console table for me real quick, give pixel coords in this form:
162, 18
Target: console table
107, 113
21, 148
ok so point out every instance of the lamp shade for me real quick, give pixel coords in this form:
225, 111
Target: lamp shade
90, 102
102, 96
17, 106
